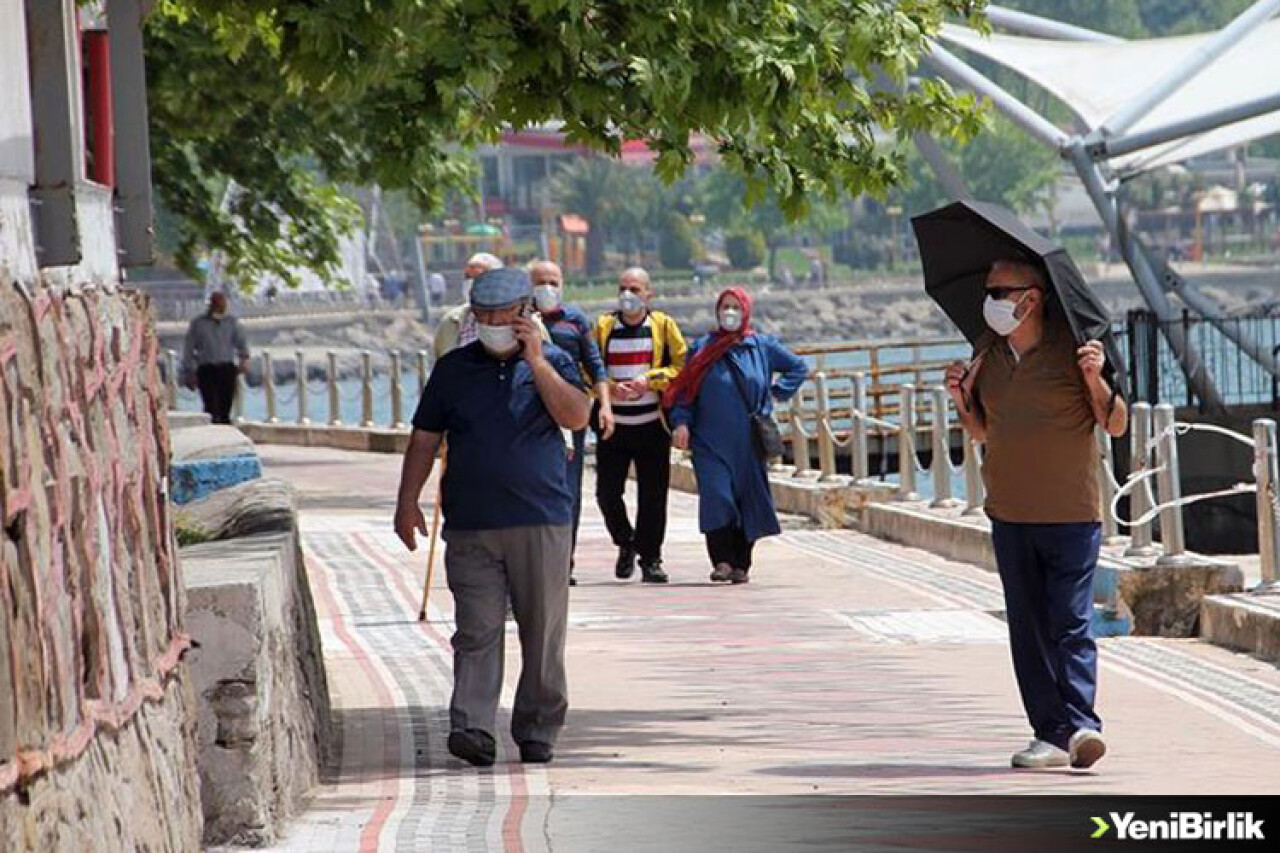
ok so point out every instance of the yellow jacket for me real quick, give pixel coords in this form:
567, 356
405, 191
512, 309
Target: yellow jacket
669, 347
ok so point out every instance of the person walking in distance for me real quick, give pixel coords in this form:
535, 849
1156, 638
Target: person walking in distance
571, 331
501, 401
729, 379
643, 352
1033, 397
213, 355
457, 326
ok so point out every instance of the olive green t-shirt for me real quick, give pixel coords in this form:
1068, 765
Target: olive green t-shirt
1040, 462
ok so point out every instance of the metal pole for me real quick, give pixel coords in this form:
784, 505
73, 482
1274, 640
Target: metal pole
1199, 59
1106, 486
366, 389
858, 446
422, 370
303, 414
335, 412
974, 493
397, 406
1033, 25
1169, 487
1144, 277
943, 169
907, 443
269, 387
171, 361
1176, 130
1140, 544
948, 65
941, 467
1266, 467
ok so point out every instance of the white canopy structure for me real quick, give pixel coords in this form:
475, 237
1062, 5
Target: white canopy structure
1096, 79
1141, 105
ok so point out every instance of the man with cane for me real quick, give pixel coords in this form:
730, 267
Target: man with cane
508, 510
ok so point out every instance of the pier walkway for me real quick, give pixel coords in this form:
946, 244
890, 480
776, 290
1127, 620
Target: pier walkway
846, 666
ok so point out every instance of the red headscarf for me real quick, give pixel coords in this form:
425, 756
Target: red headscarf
685, 387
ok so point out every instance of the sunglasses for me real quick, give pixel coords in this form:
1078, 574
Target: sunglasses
1006, 292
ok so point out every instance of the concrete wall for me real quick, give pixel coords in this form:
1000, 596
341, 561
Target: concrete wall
96, 716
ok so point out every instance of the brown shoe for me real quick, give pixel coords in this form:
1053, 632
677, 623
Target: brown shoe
721, 572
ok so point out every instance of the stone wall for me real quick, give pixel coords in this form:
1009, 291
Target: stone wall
95, 715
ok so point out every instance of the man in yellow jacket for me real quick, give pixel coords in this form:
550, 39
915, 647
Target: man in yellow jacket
643, 351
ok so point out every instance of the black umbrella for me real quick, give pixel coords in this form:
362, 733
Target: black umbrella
959, 243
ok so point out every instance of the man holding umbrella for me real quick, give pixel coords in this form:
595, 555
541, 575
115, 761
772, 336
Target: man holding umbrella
1033, 394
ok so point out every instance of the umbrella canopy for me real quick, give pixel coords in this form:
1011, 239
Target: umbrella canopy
959, 243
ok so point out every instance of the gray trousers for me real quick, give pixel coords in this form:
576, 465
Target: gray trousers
529, 565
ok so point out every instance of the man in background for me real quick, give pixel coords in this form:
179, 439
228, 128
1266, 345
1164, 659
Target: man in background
570, 330
457, 327
213, 355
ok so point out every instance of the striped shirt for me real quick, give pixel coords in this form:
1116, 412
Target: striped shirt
630, 354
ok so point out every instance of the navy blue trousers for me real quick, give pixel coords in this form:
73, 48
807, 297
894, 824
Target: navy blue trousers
1047, 573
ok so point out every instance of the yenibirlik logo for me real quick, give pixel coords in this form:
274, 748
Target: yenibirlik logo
1182, 826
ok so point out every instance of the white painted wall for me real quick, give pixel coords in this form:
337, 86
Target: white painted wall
17, 159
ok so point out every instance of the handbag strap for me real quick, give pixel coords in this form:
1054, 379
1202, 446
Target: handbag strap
739, 380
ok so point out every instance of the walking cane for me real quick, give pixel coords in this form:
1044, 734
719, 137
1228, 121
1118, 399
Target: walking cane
435, 535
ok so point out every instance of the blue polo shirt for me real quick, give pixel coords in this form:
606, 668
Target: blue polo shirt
572, 332
507, 460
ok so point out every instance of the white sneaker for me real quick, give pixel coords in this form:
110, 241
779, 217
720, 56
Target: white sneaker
1087, 747
1040, 754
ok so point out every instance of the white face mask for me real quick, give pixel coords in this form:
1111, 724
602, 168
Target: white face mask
1000, 316
629, 302
218, 315
731, 319
547, 298
499, 340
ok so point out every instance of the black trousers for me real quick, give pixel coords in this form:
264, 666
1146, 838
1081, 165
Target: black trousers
729, 545
217, 383
649, 447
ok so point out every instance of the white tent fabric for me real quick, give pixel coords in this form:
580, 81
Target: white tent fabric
1096, 79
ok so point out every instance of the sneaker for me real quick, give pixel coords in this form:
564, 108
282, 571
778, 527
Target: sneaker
1040, 754
536, 752
651, 571
738, 576
1086, 748
474, 746
626, 565
721, 572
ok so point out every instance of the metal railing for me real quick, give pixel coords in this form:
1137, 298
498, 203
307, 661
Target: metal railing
1154, 434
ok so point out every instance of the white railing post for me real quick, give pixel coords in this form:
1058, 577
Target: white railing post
907, 443
269, 387
941, 434
237, 403
301, 364
974, 491
1106, 486
335, 410
1266, 467
422, 371
1169, 487
826, 447
366, 389
397, 405
1140, 542
799, 440
171, 363
858, 446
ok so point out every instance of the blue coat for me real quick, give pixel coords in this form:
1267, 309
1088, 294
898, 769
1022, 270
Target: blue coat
733, 482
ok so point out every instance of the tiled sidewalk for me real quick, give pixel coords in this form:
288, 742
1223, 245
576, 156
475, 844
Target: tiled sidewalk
847, 666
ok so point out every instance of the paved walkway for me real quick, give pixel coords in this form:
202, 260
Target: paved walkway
847, 666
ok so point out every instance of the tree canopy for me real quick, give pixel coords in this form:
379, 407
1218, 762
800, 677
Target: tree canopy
285, 97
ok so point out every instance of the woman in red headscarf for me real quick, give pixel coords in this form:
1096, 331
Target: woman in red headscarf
728, 378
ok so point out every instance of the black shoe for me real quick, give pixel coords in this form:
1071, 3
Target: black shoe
474, 746
626, 565
572, 580
536, 752
739, 576
651, 571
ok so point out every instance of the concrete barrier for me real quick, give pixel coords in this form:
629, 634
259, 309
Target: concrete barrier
263, 704
360, 439
209, 458
1244, 622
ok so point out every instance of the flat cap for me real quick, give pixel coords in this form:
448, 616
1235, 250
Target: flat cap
500, 288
